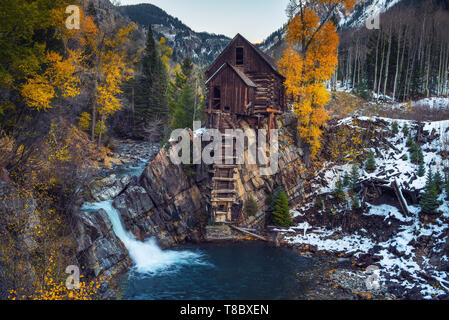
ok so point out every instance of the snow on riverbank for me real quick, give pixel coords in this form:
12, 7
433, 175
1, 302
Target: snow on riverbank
415, 256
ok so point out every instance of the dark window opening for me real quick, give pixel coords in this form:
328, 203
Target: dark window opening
216, 100
239, 56
227, 108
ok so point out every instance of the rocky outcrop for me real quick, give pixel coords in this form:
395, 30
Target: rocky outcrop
99, 251
109, 187
291, 170
171, 205
164, 203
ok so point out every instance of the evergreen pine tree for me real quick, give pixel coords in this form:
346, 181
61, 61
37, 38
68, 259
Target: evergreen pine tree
421, 170
187, 67
438, 182
409, 141
339, 192
395, 127
446, 180
355, 202
184, 109
281, 213
346, 179
370, 162
429, 201
405, 130
251, 207
150, 91
354, 176
416, 153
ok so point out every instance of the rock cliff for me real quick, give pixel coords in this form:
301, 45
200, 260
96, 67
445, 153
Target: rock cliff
170, 204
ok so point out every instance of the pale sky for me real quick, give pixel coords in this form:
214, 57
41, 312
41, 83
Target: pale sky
254, 19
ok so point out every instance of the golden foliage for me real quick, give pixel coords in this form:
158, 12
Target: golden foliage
343, 104
348, 143
309, 60
58, 80
38, 93
84, 121
166, 51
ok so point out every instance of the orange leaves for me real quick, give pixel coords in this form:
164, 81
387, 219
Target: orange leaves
308, 62
58, 80
61, 74
38, 93
312, 52
302, 27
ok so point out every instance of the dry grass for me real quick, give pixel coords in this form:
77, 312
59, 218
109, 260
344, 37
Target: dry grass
345, 104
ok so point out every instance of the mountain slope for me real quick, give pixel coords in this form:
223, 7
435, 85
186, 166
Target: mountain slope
202, 47
273, 45
364, 11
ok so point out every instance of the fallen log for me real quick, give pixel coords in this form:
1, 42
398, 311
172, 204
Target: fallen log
247, 232
400, 197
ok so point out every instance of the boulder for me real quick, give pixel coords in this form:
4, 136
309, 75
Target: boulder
99, 251
109, 187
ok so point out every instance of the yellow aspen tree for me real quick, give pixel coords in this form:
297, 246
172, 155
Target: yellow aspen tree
309, 61
57, 81
113, 70
103, 56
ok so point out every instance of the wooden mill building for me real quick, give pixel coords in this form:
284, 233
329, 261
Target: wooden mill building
242, 83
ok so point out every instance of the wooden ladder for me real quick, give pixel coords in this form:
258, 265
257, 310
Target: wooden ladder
223, 186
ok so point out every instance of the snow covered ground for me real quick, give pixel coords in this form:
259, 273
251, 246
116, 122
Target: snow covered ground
408, 257
432, 103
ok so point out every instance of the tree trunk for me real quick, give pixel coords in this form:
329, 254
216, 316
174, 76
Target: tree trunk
397, 64
387, 64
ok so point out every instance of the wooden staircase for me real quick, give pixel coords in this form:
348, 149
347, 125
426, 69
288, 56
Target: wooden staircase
223, 186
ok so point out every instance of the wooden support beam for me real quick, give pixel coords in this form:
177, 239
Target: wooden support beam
223, 179
274, 111
223, 200
223, 191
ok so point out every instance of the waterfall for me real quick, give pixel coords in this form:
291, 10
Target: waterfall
147, 256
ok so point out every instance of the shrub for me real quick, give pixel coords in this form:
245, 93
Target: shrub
405, 130
395, 127
84, 121
320, 203
251, 207
370, 162
355, 202
339, 193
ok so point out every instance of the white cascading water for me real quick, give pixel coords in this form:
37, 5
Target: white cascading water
147, 256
